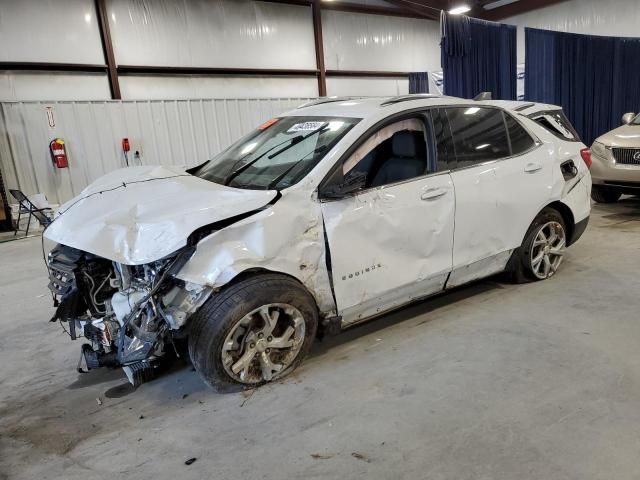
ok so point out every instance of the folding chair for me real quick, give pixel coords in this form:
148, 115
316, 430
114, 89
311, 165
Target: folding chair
26, 206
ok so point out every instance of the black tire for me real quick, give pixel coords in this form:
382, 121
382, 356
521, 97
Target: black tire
217, 317
602, 195
519, 268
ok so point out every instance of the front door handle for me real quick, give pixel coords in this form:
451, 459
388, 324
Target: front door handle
433, 193
533, 167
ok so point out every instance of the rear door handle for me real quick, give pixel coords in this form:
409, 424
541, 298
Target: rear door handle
533, 167
433, 193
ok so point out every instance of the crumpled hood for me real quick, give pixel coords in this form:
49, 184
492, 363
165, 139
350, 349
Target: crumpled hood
138, 215
625, 136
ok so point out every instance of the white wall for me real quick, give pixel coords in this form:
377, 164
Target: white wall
59, 86
62, 31
354, 41
372, 87
619, 18
142, 87
207, 33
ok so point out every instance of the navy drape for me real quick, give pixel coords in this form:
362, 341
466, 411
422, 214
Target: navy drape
419, 82
593, 78
478, 56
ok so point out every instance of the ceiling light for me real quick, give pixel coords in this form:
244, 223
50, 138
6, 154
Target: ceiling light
459, 10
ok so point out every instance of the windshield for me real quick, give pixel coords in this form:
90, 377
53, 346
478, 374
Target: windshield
276, 155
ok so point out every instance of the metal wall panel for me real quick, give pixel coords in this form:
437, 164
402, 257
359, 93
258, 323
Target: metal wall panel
166, 132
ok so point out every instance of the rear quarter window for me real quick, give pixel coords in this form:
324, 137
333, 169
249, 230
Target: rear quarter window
557, 123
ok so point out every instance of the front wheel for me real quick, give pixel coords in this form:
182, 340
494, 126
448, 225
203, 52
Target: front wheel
542, 250
254, 331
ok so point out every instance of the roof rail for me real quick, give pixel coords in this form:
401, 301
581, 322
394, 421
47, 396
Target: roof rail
407, 98
322, 100
523, 107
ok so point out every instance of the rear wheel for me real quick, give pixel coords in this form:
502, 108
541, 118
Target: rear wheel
252, 332
542, 250
602, 195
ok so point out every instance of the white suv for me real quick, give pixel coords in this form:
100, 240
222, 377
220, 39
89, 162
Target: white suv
321, 218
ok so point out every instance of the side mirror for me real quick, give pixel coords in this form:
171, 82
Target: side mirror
353, 182
627, 118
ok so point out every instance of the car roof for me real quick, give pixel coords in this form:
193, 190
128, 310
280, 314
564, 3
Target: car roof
364, 107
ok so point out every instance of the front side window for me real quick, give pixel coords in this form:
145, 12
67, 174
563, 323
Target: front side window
276, 155
479, 135
395, 153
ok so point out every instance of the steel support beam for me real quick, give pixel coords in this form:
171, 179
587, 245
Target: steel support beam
107, 48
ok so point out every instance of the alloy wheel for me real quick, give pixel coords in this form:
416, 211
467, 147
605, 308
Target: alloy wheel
548, 249
264, 343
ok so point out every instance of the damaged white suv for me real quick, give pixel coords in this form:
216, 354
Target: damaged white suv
321, 218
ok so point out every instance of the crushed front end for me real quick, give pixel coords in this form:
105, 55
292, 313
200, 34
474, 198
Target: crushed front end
130, 316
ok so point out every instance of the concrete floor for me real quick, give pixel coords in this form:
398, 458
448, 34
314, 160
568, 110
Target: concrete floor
492, 381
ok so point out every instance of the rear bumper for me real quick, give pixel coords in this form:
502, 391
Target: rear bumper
628, 188
578, 230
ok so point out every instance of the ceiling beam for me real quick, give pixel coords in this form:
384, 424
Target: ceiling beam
54, 67
516, 8
421, 9
351, 7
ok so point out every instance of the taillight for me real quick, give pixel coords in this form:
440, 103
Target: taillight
585, 153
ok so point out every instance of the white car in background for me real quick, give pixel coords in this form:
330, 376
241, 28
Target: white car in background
324, 217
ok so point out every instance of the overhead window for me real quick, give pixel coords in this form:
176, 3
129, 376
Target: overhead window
479, 134
520, 139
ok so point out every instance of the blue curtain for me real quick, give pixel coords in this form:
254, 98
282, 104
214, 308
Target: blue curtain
593, 78
478, 56
419, 82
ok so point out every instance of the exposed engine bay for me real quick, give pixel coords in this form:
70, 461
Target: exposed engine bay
131, 316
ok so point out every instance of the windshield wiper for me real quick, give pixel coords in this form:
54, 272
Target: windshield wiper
294, 141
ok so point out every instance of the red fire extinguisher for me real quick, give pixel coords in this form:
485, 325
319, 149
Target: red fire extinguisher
58, 153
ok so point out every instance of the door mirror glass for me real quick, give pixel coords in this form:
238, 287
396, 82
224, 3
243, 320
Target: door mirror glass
627, 118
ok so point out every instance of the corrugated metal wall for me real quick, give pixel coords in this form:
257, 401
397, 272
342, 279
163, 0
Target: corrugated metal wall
166, 132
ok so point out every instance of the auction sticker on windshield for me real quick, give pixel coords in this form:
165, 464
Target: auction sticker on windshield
305, 127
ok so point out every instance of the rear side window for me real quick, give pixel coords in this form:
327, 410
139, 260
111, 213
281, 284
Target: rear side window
557, 123
479, 135
521, 141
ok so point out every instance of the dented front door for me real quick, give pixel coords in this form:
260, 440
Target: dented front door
390, 245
